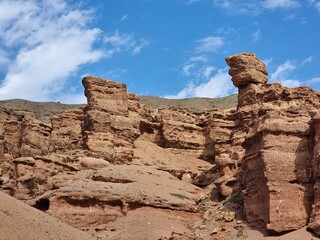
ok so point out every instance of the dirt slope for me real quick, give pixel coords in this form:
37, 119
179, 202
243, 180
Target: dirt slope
21, 221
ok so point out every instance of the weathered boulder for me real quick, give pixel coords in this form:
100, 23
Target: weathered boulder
246, 68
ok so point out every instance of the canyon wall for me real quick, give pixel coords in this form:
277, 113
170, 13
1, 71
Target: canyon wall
99, 157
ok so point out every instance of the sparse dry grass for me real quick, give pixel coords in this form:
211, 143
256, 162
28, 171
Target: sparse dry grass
44, 110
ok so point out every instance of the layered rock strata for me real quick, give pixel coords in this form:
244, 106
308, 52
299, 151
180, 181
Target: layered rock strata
113, 160
109, 132
314, 224
277, 166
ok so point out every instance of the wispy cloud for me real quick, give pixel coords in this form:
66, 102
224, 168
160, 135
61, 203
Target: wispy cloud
289, 17
209, 44
186, 69
317, 6
282, 74
254, 7
314, 80
4, 58
273, 4
267, 61
282, 71
124, 18
46, 35
115, 73
239, 7
120, 42
188, 2
307, 60
256, 35
218, 85
199, 58
204, 80
208, 70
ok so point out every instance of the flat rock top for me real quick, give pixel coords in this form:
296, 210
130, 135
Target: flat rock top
132, 184
21, 221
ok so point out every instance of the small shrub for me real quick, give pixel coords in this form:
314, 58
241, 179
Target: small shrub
178, 195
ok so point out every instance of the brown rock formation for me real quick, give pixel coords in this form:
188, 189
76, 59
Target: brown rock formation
276, 168
115, 162
246, 68
109, 132
314, 224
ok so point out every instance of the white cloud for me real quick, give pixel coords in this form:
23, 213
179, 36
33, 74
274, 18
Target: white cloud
188, 2
273, 4
124, 18
73, 98
4, 58
314, 80
51, 40
289, 17
186, 69
119, 42
209, 44
317, 6
208, 70
291, 83
200, 58
315, 3
267, 61
219, 85
115, 73
282, 75
307, 60
251, 7
256, 35
282, 71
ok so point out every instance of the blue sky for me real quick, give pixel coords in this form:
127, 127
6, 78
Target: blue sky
167, 48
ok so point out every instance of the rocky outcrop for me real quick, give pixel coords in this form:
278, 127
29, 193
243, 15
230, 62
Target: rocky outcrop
314, 224
103, 165
246, 68
222, 129
276, 170
109, 132
66, 131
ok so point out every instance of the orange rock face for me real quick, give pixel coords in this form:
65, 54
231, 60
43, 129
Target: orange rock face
247, 68
276, 169
103, 166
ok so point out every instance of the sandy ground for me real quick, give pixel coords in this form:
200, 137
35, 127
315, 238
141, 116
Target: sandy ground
19, 221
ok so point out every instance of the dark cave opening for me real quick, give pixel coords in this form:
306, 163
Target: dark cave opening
42, 204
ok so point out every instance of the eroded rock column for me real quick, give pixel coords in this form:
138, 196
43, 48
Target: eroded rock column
314, 224
276, 168
109, 132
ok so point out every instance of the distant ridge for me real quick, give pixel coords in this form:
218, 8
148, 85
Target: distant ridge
44, 110
191, 104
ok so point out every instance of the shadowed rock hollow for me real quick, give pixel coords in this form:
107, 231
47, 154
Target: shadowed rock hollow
115, 168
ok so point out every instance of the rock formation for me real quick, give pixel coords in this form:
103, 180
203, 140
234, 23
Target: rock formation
109, 132
115, 162
277, 166
246, 68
